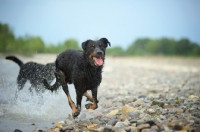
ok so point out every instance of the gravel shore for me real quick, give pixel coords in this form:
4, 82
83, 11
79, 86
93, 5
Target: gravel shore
142, 94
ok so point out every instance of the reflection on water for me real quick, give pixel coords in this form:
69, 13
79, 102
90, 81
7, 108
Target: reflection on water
26, 109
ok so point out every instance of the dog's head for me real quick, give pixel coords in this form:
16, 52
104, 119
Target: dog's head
95, 51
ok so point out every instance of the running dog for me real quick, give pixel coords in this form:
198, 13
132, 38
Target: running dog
83, 69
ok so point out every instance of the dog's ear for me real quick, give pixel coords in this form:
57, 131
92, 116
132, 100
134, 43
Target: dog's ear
105, 41
84, 44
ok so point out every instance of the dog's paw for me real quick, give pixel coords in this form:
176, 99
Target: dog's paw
88, 106
75, 114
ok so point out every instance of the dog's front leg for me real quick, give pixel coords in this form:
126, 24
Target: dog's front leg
95, 101
79, 97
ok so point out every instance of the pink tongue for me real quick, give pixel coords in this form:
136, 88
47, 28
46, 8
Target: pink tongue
98, 61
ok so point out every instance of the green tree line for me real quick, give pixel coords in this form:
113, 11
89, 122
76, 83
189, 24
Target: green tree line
29, 45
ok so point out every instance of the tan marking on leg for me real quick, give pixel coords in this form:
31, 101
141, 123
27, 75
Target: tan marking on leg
94, 104
63, 74
89, 97
73, 106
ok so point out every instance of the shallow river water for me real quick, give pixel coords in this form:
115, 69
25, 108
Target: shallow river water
28, 112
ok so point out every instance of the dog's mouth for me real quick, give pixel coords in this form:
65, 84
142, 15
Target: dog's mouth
98, 61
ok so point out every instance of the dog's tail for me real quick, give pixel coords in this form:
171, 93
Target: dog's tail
15, 59
55, 86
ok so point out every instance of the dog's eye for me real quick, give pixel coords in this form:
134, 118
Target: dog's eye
93, 46
100, 45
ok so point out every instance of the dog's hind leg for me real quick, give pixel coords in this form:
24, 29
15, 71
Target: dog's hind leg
94, 100
61, 78
75, 111
89, 97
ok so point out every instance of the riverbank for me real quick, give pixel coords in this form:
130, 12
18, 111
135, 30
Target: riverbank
140, 94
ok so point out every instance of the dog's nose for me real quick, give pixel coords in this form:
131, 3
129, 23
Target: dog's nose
99, 52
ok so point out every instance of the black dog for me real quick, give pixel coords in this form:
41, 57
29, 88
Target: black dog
83, 69
33, 72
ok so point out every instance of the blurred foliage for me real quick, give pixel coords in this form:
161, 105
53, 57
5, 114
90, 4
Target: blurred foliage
115, 51
164, 46
68, 44
29, 45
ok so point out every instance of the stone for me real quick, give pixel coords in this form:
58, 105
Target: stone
193, 98
133, 121
133, 115
127, 108
168, 106
159, 103
67, 128
150, 122
84, 123
17, 130
59, 124
133, 129
98, 115
154, 127
178, 127
177, 122
92, 126
123, 117
112, 122
150, 111
112, 113
143, 126
119, 125
107, 128
139, 102
95, 121
146, 130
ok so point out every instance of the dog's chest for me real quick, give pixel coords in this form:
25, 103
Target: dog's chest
87, 78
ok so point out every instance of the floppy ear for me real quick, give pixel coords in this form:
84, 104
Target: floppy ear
105, 41
84, 44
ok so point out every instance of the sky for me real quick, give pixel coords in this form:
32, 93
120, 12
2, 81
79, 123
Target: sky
120, 21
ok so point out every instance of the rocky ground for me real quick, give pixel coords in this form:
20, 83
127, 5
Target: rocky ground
143, 94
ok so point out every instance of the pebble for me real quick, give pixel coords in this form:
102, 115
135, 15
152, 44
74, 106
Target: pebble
143, 126
112, 113
17, 130
150, 111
